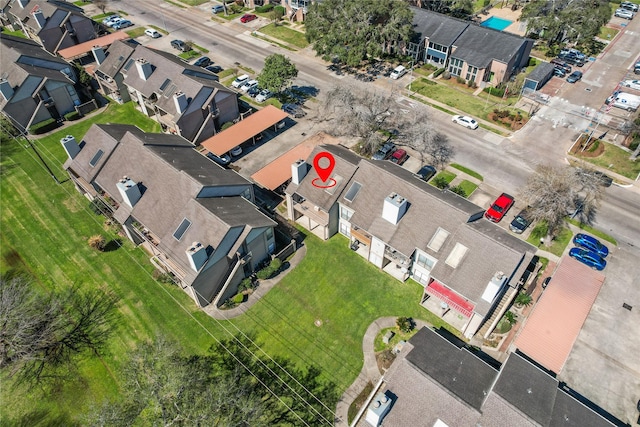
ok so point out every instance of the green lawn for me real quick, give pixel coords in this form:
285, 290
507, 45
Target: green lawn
607, 33
13, 33
136, 32
467, 171
468, 187
446, 175
281, 32
44, 229
558, 245
615, 159
593, 231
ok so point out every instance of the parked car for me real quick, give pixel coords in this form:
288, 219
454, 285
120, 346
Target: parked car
399, 156
520, 222
572, 59
254, 91
110, 18
591, 243
217, 8
113, 21
633, 8
574, 52
248, 85
623, 13
589, 258
636, 68
426, 172
499, 208
465, 121
154, 34
385, 151
123, 23
180, 45
248, 17
574, 77
559, 72
240, 80
203, 61
236, 151
633, 84
223, 160
214, 68
559, 63
263, 95
293, 110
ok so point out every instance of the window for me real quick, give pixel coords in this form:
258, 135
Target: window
455, 66
425, 261
421, 277
96, 158
269, 233
345, 229
345, 213
456, 255
437, 47
353, 191
182, 228
438, 239
472, 72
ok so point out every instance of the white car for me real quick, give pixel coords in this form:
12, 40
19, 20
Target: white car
110, 18
152, 33
633, 84
465, 121
624, 13
248, 85
263, 95
114, 21
240, 80
236, 151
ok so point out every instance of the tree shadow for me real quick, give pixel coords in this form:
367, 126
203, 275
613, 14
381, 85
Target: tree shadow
112, 245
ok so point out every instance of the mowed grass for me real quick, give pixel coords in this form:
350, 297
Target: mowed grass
46, 226
293, 37
615, 159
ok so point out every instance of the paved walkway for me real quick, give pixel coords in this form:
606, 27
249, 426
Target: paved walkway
262, 289
370, 371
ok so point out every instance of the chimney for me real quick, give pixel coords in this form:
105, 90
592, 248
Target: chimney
23, 3
299, 170
144, 68
197, 255
394, 208
6, 90
98, 54
180, 99
39, 17
70, 146
129, 191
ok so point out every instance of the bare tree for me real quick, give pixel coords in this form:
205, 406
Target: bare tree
42, 333
101, 4
415, 129
554, 192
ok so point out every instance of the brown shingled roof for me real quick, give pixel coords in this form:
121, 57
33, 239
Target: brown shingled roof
85, 48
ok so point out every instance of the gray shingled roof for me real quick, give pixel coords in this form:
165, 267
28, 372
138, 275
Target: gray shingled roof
456, 369
48, 8
116, 56
542, 72
440, 29
237, 211
478, 46
346, 164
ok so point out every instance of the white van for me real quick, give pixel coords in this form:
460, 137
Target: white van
240, 80
398, 72
624, 100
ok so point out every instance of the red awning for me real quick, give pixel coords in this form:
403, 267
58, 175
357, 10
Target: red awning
453, 300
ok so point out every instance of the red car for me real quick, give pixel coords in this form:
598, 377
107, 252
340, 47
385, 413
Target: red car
499, 208
399, 156
247, 17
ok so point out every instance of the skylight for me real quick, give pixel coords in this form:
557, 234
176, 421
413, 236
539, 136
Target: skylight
456, 255
96, 158
353, 191
182, 228
128, 65
438, 239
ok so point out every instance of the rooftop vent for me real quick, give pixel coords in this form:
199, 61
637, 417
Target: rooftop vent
98, 54
197, 255
378, 409
70, 146
129, 191
299, 170
144, 68
394, 208
180, 99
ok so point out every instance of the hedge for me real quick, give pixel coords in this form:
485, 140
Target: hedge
282, 10
437, 72
43, 126
264, 9
73, 115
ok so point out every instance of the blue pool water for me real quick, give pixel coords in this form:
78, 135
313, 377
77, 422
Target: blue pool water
496, 23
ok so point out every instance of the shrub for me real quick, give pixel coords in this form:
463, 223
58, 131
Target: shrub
523, 299
43, 126
440, 182
458, 190
486, 3
532, 61
495, 91
264, 9
162, 277
437, 72
238, 299
280, 10
510, 317
98, 207
275, 264
404, 324
460, 80
73, 115
97, 242
446, 75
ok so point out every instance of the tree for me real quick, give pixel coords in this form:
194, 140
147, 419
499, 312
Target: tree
554, 192
404, 324
101, 4
564, 21
278, 73
352, 32
97, 242
41, 335
523, 300
276, 14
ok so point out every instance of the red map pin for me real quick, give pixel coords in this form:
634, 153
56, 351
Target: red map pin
325, 172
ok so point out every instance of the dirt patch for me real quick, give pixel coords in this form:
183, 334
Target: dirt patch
594, 149
385, 359
511, 121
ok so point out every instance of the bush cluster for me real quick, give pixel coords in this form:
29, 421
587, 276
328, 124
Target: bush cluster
437, 72
43, 126
264, 9
440, 182
73, 115
495, 91
270, 270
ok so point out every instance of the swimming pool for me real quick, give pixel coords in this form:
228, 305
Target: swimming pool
496, 23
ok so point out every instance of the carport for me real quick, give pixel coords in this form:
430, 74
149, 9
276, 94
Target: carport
244, 130
83, 49
278, 172
538, 77
555, 322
